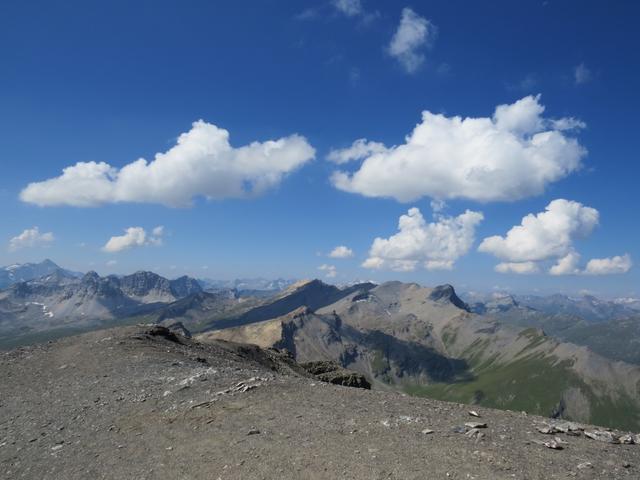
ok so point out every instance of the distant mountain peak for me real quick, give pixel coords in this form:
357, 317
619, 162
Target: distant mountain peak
91, 275
446, 293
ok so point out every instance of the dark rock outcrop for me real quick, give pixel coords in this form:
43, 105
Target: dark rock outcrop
446, 293
331, 372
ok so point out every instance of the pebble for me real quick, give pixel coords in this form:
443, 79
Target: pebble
475, 425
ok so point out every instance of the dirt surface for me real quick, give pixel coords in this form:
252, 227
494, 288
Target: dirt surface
126, 403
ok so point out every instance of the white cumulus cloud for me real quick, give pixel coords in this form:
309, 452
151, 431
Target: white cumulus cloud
512, 155
341, 251
134, 237
329, 270
202, 163
414, 33
435, 245
360, 149
30, 237
607, 266
567, 265
548, 234
521, 268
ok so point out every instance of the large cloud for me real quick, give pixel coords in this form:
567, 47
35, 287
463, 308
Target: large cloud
414, 33
30, 237
436, 245
202, 163
512, 155
550, 236
134, 237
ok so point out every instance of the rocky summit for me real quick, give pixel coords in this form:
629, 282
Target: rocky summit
147, 402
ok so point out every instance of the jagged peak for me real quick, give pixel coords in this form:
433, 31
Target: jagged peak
446, 293
307, 284
143, 273
90, 275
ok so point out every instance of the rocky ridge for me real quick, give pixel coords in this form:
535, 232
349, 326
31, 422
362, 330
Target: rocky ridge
145, 402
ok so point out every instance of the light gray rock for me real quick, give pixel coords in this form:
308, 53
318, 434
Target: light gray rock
602, 436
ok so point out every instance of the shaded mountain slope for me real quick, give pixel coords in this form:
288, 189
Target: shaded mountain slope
419, 340
313, 294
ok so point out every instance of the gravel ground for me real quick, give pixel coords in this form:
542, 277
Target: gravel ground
126, 404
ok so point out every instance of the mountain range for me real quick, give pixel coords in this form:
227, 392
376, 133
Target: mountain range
524, 353
426, 341
587, 307
29, 271
62, 300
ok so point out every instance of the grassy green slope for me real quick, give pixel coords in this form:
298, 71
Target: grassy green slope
532, 382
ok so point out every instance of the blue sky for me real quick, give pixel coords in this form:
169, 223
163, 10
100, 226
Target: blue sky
115, 81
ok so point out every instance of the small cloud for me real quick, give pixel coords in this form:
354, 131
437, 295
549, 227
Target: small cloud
438, 205
526, 85
568, 123
330, 270
350, 8
31, 237
341, 251
414, 34
354, 76
443, 69
134, 237
358, 150
111, 263
521, 268
582, 74
567, 265
307, 14
608, 266
436, 245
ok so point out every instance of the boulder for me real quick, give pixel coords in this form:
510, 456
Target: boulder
331, 372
